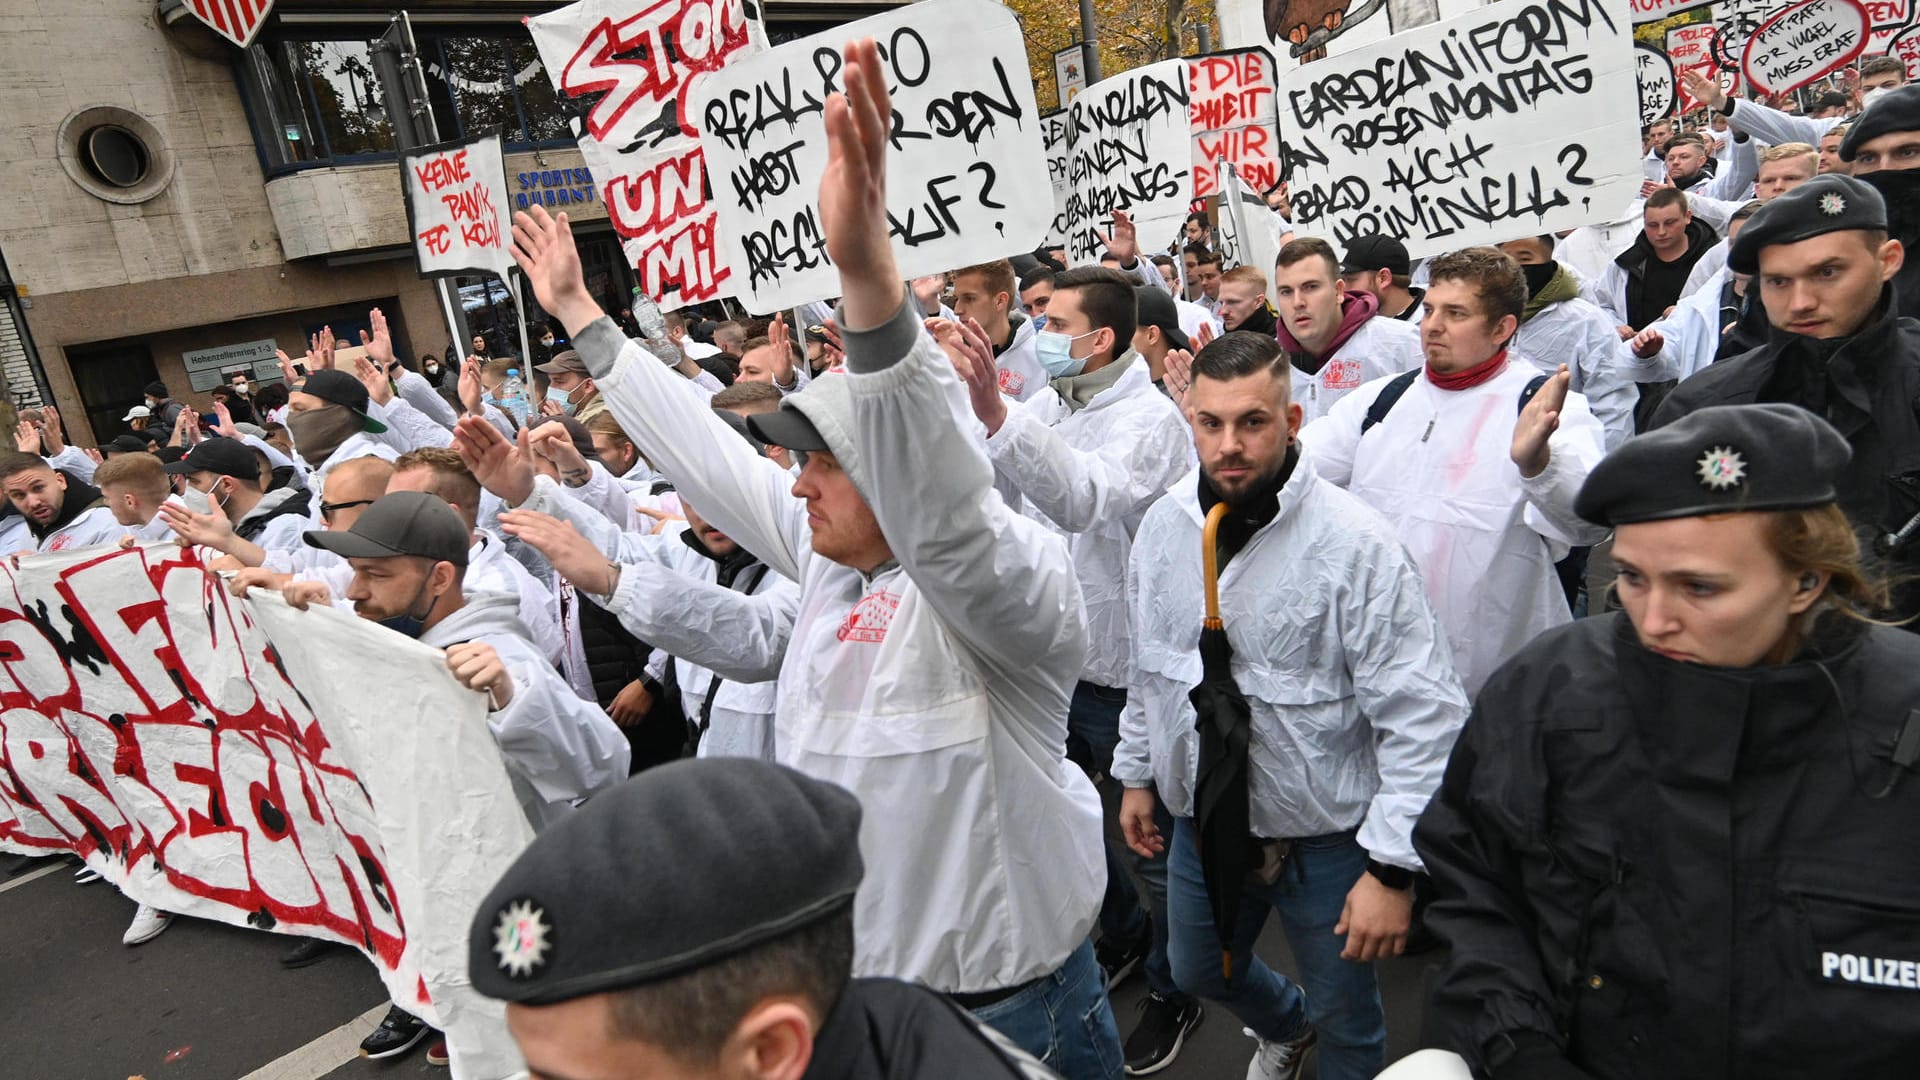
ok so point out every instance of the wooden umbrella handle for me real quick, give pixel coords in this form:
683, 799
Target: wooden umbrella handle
1210, 554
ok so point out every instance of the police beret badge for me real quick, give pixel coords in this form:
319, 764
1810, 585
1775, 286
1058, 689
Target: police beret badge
1722, 468
522, 938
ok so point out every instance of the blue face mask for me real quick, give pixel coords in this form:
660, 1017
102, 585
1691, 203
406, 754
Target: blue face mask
1039, 323
410, 624
561, 398
1055, 351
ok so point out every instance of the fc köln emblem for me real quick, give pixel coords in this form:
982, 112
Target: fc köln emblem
236, 20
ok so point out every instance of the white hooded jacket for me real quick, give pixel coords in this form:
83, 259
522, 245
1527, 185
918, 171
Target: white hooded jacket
1381, 347
1440, 468
934, 688
1355, 702
1581, 336
1091, 475
1021, 376
558, 749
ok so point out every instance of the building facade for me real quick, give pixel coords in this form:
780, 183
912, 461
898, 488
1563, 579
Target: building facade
182, 207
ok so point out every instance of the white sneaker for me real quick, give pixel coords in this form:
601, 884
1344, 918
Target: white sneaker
147, 924
1279, 1060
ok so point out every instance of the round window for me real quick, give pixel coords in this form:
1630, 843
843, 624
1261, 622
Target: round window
114, 155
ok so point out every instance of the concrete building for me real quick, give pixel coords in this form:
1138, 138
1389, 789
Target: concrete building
181, 207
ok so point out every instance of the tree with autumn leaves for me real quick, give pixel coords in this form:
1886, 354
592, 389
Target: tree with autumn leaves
1130, 33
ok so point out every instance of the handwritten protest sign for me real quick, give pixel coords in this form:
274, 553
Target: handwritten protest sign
222, 759
1889, 14
1654, 82
1803, 43
1690, 48
1502, 122
1647, 11
457, 207
1906, 46
964, 172
642, 60
1053, 136
1129, 147
1232, 111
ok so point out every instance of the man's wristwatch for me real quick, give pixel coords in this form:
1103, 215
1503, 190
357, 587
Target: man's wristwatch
1393, 877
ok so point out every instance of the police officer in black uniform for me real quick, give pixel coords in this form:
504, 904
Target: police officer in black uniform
1837, 347
1677, 841
697, 921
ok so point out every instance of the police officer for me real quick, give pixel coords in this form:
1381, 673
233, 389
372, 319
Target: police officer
1665, 844
1822, 264
697, 921
1882, 148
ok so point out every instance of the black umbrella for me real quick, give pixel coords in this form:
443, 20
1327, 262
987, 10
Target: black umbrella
1225, 723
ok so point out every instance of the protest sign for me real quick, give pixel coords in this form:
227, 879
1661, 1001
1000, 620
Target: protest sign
1129, 147
458, 212
1249, 232
1503, 122
642, 61
1053, 136
1906, 46
965, 168
1803, 43
1690, 48
1654, 82
1889, 14
1647, 11
1232, 112
225, 759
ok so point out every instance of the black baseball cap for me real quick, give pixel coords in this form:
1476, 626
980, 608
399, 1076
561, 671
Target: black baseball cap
1376, 252
340, 388
402, 523
1156, 308
228, 457
127, 444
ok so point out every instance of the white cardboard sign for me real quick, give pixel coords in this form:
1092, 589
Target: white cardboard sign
966, 171
458, 210
1129, 148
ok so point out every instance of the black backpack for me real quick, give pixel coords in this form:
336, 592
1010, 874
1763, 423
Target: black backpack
1391, 394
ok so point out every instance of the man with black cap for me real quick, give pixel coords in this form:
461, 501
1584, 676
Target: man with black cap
737, 964
1661, 846
1336, 339
409, 556
1157, 330
162, 412
939, 636
1883, 147
1823, 263
329, 420
225, 475
1379, 265
570, 390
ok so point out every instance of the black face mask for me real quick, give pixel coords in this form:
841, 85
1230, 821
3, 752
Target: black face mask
1538, 274
1901, 189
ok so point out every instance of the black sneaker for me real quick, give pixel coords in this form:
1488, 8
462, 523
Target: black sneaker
308, 951
1164, 1026
1120, 961
400, 1032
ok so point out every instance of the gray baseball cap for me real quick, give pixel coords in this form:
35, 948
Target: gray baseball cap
403, 523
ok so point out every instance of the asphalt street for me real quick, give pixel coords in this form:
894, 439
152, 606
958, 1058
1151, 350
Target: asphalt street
205, 1000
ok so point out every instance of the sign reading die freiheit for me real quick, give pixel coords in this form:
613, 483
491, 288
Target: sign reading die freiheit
963, 171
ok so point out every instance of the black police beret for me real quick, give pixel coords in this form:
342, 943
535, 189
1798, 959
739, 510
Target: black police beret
1824, 204
1895, 110
679, 867
1720, 460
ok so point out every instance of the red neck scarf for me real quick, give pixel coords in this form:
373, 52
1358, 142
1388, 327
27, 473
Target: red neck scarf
1470, 378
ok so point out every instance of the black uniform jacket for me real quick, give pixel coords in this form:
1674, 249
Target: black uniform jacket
1676, 871
881, 1029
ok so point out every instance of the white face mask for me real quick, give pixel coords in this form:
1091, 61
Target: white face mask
196, 500
240, 388
1867, 99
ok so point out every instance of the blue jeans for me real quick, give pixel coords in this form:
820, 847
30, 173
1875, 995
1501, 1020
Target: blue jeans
1342, 1000
1093, 730
1064, 1020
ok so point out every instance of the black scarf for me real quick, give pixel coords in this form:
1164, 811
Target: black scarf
1253, 513
80, 498
1260, 322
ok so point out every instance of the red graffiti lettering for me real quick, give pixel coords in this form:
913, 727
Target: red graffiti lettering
442, 171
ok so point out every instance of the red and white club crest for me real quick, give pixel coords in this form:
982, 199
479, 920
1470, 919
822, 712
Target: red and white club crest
236, 20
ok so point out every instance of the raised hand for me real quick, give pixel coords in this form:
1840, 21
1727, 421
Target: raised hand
853, 190
286, 368
223, 421
1179, 376
380, 345
780, 339
543, 248
471, 391
501, 467
1203, 336
553, 443
50, 435
373, 376
972, 354
1703, 89
212, 530
320, 350
572, 556
1538, 421
26, 437
1122, 240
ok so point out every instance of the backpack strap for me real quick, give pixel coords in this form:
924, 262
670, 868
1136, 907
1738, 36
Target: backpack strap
1390, 396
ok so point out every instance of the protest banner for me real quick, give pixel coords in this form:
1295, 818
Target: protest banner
1053, 136
1233, 114
1690, 48
1654, 82
1129, 147
1503, 122
308, 773
1805, 42
965, 167
458, 211
642, 60
1906, 46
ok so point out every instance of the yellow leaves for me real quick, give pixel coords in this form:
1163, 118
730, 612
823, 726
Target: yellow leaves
1130, 33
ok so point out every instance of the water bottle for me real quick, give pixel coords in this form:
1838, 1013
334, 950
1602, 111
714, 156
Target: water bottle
513, 397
